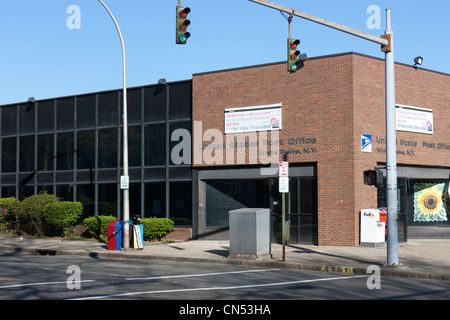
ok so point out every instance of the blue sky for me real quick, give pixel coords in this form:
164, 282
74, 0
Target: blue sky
41, 57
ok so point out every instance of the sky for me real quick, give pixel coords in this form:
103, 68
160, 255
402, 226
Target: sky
50, 50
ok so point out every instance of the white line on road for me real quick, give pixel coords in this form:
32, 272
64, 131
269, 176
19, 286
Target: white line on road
201, 274
39, 284
218, 288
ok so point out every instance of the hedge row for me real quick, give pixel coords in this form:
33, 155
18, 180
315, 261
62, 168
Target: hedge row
154, 228
42, 214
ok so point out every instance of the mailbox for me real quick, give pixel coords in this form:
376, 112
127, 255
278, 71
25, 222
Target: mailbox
114, 233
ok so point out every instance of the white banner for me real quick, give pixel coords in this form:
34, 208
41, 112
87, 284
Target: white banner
249, 119
414, 119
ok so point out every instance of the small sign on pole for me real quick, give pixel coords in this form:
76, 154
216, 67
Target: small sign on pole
124, 182
283, 169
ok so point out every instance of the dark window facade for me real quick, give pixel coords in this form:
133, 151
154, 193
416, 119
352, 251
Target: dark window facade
73, 147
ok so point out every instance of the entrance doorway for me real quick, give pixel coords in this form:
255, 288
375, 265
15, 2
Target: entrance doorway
219, 193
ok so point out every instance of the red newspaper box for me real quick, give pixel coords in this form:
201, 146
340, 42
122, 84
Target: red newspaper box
114, 235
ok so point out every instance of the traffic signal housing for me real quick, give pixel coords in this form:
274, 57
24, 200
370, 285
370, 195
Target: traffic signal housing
295, 59
373, 178
182, 23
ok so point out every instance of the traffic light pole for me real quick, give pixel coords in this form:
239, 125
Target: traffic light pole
387, 43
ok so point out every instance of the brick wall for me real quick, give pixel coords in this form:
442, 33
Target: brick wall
332, 99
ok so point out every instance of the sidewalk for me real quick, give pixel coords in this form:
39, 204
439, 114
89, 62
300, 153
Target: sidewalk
419, 258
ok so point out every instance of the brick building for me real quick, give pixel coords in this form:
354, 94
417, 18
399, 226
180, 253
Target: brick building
202, 147
326, 107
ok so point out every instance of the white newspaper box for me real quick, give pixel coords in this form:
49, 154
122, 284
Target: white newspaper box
372, 229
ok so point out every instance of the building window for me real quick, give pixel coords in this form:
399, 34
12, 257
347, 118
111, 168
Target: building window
86, 112
9, 120
154, 104
181, 203
46, 116
64, 111
108, 109
45, 152
26, 118
86, 150
26, 153
64, 145
107, 148
155, 200
9, 146
155, 142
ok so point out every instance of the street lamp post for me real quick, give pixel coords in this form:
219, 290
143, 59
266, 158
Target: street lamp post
126, 195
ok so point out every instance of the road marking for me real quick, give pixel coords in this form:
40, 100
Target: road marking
201, 274
39, 284
219, 288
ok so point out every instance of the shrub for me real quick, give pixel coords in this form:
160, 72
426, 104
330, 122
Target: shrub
97, 226
61, 216
156, 228
8, 210
30, 213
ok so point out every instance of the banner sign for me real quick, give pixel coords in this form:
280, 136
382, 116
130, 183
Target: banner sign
250, 119
414, 119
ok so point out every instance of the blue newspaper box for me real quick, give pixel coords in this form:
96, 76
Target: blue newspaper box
114, 233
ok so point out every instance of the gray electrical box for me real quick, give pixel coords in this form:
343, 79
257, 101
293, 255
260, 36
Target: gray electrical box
249, 233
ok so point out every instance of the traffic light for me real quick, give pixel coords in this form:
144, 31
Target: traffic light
373, 178
182, 24
295, 59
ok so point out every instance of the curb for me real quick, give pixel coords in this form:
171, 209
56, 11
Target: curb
264, 263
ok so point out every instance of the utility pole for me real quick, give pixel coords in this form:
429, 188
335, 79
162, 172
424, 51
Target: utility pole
126, 195
387, 45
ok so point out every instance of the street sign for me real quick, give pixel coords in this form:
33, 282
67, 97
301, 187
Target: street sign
283, 185
124, 182
283, 169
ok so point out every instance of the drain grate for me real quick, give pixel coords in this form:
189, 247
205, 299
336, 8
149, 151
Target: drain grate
45, 252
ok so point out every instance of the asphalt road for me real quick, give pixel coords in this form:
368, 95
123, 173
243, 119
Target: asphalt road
31, 277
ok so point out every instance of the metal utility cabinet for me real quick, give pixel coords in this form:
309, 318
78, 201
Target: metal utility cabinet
249, 233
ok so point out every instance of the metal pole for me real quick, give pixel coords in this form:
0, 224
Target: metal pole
387, 43
126, 195
323, 22
391, 152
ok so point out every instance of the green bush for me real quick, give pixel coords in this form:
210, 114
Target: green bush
8, 209
156, 228
31, 211
61, 216
97, 226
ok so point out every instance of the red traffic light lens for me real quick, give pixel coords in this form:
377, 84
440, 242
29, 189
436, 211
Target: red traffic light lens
185, 12
295, 44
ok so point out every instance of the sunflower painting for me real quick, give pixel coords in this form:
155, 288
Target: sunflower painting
429, 204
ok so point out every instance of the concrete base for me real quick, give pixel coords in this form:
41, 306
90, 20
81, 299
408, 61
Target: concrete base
250, 256
372, 244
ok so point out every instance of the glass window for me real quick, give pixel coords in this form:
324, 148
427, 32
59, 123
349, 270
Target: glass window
9, 120
45, 152
180, 98
108, 109
65, 192
155, 141
133, 106
26, 118
64, 156
181, 203
46, 116
9, 146
107, 148
155, 199
134, 146
8, 191
107, 199
64, 111
154, 103
86, 150
26, 153
86, 195
86, 112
